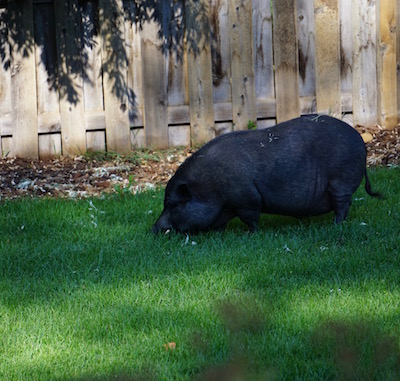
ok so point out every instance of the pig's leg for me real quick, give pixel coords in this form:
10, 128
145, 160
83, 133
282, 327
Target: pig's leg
341, 206
249, 212
250, 218
222, 220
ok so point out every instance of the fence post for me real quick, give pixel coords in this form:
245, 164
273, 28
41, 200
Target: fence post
286, 60
327, 57
386, 68
25, 142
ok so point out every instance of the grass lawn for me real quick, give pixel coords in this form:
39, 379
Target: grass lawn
88, 292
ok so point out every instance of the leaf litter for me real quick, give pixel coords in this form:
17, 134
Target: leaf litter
86, 176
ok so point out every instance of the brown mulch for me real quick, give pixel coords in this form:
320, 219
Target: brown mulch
86, 176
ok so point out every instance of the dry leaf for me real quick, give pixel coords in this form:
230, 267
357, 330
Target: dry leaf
170, 346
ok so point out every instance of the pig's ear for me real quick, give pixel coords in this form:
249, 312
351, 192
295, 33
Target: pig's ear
184, 192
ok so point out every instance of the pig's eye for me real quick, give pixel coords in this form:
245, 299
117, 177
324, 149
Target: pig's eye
184, 192
174, 203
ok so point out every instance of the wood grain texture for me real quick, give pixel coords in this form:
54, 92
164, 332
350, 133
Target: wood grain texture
115, 76
243, 86
364, 63
327, 58
23, 82
68, 35
286, 60
387, 65
200, 71
306, 35
263, 49
154, 87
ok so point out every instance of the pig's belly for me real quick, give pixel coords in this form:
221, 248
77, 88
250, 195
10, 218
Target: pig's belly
292, 204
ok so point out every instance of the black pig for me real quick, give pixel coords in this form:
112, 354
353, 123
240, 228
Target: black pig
306, 166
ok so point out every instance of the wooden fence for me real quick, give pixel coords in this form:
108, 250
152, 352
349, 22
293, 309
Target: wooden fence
113, 74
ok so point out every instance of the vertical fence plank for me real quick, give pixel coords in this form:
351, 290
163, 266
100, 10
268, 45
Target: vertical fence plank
91, 52
135, 75
114, 75
220, 50
386, 68
263, 61
154, 87
286, 60
23, 81
243, 87
5, 92
200, 71
364, 63
73, 130
263, 52
48, 104
346, 46
92, 77
398, 57
327, 58
305, 26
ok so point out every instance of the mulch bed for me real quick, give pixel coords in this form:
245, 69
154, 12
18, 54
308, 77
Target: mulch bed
85, 176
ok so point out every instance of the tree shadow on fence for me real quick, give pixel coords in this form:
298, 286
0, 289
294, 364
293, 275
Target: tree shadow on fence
79, 25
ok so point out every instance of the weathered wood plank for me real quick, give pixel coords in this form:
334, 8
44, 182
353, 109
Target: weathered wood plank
115, 75
305, 27
176, 57
135, 75
398, 57
68, 36
46, 59
200, 71
48, 104
364, 63
138, 138
346, 45
154, 87
263, 51
91, 52
49, 122
286, 60
96, 141
5, 85
386, 68
23, 81
327, 58
243, 87
49, 146
7, 147
220, 50
179, 135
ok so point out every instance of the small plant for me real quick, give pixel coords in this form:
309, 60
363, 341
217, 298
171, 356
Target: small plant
123, 190
252, 125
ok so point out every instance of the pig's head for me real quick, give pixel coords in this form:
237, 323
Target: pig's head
185, 211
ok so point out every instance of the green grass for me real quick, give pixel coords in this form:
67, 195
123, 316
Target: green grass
88, 292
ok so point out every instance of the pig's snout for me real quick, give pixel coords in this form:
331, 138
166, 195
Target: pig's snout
162, 225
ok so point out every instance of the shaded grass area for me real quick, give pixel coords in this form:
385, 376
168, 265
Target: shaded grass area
88, 292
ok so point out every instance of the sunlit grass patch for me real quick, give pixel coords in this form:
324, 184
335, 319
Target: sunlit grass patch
88, 292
